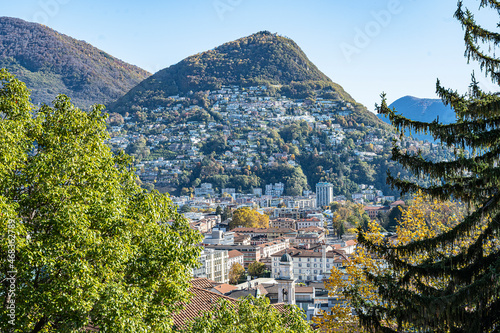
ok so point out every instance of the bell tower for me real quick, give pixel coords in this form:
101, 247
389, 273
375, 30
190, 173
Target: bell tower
286, 282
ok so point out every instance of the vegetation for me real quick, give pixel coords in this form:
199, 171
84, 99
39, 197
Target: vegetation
425, 218
259, 59
256, 268
236, 272
86, 245
248, 218
55, 63
448, 281
249, 316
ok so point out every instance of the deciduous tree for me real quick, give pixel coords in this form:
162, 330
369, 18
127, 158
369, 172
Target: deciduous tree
86, 244
256, 268
235, 273
250, 218
425, 218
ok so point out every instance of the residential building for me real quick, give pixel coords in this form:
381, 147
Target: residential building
235, 256
269, 248
213, 265
251, 253
283, 222
219, 237
203, 190
275, 190
309, 222
309, 265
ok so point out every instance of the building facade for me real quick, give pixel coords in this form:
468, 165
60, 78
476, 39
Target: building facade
214, 265
309, 265
324, 194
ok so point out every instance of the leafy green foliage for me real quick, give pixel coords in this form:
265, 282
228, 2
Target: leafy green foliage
91, 247
54, 63
249, 316
256, 268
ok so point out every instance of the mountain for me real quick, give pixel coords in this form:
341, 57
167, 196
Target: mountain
259, 59
422, 109
51, 63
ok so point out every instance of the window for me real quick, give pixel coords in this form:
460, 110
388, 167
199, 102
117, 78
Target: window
308, 265
315, 271
315, 265
300, 265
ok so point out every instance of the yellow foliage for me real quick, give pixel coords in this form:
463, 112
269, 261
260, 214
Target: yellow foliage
424, 218
247, 217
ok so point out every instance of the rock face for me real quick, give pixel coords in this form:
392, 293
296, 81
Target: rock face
51, 63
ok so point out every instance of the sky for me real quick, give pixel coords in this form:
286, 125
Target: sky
400, 47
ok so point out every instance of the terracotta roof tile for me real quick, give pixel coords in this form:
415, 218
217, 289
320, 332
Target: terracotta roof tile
202, 301
308, 290
224, 288
202, 283
234, 253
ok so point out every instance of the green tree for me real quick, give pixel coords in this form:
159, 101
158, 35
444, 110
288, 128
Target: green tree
256, 268
88, 245
227, 213
249, 316
235, 273
218, 210
459, 290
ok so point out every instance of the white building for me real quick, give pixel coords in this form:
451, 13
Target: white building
214, 265
275, 190
309, 265
235, 256
324, 194
219, 237
286, 280
204, 189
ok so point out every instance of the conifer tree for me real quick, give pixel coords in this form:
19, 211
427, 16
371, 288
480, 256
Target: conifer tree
455, 285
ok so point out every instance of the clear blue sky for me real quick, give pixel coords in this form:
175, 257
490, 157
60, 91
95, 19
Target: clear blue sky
367, 46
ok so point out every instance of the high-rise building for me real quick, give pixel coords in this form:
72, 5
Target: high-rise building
324, 194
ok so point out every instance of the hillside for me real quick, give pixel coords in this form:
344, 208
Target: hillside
51, 63
259, 59
252, 114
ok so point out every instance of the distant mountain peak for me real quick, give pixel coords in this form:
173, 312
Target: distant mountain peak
263, 58
50, 63
422, 109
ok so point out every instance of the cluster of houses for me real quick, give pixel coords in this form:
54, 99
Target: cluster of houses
297, 253
242, 108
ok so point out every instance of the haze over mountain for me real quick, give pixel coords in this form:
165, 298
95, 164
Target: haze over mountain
263, 58
51, 63
422, 109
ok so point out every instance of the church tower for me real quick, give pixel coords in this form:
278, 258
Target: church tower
286, 282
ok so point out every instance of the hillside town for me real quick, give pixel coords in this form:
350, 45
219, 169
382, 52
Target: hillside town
239, 132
